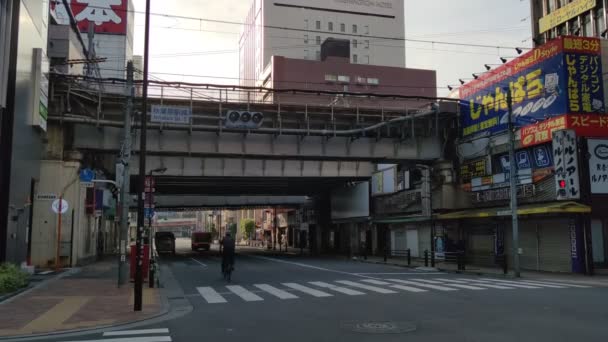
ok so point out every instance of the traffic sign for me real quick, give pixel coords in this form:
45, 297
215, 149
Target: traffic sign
87, 184
46, 197
64, 206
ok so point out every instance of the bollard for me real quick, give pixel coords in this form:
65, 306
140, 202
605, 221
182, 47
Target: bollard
426, 258
385, 254
505, 269
151, 276
409, 257
432, 259
364, 252
459, 261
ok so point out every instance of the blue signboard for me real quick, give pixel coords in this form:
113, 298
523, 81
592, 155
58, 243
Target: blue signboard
148, 213
562, 76
523, 160
87, 175
542, 157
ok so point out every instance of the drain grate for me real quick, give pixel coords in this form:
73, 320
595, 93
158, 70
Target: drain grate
379, 327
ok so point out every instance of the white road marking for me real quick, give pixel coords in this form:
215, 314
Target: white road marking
375, 282
308, 290
310, 266
275, 292
366, 287
525, 283
132, 339
336, 288
460, 286
45, 272
399, 273
536, 282
481, 282
198, 262
500, 287
136, 332
400, 287
210, 295
244, 293
434, 287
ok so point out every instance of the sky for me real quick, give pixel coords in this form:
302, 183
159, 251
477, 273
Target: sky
183, 46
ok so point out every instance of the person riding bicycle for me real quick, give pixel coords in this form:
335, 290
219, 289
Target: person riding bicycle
228, 247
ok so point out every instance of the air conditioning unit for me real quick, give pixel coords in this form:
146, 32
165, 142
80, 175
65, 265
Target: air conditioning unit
243, 119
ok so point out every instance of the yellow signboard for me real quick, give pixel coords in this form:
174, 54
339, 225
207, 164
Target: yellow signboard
563, 14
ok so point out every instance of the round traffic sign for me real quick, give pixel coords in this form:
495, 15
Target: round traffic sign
64, 206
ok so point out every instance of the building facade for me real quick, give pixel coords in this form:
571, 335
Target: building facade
553, 18
296, 29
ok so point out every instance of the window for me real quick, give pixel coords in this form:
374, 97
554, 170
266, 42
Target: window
574, 27
305, 54
600, 26
318, 40
373, 81
366, 60
550, 6
361, 80
561, 3
318, 25
344, 79
330, 26
355, 59
318, 55
587, 28
306, 24
331, 78
366, 29
354, 28
305, 39
367, 44
342, 27
355, 44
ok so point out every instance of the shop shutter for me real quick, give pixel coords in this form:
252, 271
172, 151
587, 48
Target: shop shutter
424, 239
480, 245
555, 246
400, 242
529, 244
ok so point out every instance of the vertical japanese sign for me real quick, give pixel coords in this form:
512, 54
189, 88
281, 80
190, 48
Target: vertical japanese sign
565, 155
577, 247
560, 77
598, 165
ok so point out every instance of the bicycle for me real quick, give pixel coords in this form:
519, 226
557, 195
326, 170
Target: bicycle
227, 271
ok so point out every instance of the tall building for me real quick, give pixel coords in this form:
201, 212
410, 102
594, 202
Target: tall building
553, 18
296, 29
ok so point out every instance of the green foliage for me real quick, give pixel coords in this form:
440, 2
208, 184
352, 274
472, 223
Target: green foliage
11, 278
248, 227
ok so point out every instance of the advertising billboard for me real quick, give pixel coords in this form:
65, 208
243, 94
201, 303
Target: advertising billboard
109, 16
585, 125
562, 76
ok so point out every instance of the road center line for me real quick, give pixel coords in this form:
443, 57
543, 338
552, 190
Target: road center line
198, 262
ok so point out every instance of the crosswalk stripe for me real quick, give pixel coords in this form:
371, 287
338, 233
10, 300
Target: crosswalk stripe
434, 287
136, 332
375, 282
210, 295
308, 290
245, 294
500, 287
340, 289
399, 287
365, 287
132, 339
524, 283
275, 292
536, 282
460, 286
500, 283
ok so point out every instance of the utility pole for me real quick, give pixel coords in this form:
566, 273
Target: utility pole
513, 185
138, 289
124, 191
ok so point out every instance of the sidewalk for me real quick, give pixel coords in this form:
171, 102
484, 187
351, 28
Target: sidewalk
596, 280
81, 300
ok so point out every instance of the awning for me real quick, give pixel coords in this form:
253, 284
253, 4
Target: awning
401, 219
529, 209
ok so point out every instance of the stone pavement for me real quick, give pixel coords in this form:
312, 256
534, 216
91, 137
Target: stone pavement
80, 300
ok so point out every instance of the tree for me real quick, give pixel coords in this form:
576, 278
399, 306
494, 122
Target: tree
248, 227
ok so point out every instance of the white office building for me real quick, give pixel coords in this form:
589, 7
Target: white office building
296, 29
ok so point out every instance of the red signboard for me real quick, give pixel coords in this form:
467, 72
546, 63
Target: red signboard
585, 125
109, 16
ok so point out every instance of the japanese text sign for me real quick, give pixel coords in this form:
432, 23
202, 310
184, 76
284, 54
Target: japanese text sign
473, 169
585, 125
562, 76
109, 16
565, 155
598, 165
564, 13
171, 114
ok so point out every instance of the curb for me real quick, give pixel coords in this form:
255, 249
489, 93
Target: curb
165, 310
447, 270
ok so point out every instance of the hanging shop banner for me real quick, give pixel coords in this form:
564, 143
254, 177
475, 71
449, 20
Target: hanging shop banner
560, 77
598, 165
473, 169
577, 247
585, 125
564, 13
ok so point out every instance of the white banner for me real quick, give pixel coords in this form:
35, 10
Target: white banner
598, 165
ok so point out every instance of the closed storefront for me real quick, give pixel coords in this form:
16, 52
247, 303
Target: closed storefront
480, 243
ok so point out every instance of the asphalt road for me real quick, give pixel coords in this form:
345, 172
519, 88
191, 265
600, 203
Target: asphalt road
291, 298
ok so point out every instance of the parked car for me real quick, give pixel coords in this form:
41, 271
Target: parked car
165, 242
201, 240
